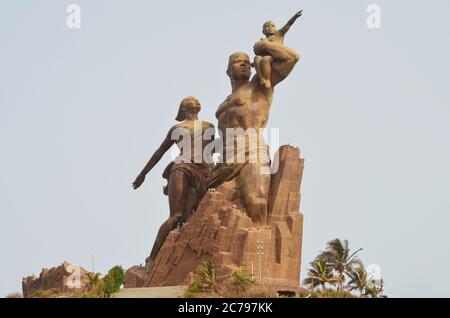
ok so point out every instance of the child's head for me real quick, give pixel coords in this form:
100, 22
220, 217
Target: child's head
269, 28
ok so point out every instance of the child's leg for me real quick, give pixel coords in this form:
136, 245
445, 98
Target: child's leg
257, 64
266, 71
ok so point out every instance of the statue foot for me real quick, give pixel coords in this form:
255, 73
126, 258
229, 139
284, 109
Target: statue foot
261, 81
266, 83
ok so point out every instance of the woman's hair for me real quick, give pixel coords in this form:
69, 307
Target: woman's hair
181, 115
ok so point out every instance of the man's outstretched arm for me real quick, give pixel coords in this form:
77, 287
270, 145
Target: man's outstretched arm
284, 59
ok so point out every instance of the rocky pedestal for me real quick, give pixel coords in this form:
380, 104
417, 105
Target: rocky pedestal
221, 230
66, 278
135, 276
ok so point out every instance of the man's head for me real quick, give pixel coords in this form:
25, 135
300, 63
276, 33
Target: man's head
239, 66
269, 28
189, 104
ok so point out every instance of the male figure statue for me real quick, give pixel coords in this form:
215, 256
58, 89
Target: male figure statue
248, 108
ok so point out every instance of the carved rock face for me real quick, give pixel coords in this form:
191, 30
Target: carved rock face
66, 278
135, 276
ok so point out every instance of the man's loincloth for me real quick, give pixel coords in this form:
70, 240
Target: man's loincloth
226, 171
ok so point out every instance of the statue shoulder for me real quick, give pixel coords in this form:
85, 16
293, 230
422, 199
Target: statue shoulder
227, 99
207, 124
177, 126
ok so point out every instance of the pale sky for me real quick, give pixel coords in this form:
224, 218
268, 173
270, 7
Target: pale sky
81, 111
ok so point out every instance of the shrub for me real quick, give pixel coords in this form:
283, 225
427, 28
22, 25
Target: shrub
195, 287
94, 280
112, 281
204, 280
38, 293
242, 280
208, 275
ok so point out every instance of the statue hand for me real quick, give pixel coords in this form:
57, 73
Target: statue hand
299, 14
139, 180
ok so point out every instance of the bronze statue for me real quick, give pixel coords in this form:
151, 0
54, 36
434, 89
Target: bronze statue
262, 63
187, 174
248, 108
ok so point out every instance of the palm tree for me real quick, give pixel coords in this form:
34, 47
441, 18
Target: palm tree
338, 256
320, 273
358, 280
94, 279
242, 280
208, 274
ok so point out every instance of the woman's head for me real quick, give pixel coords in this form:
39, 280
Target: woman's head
190, 105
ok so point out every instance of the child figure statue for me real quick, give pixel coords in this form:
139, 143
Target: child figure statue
262, 63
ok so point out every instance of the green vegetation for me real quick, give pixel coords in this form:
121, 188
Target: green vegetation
320, 274
111, 283
94, 279
105, 287
339, 272
204, 280
194, 288
242, 281
95, 286
38, 293
208, 276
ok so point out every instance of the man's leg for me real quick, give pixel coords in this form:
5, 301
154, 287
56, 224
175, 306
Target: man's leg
255, 187
191, 201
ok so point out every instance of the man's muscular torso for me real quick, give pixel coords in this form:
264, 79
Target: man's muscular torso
248, 107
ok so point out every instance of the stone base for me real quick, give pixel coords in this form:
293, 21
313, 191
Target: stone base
279, 290
135, 277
